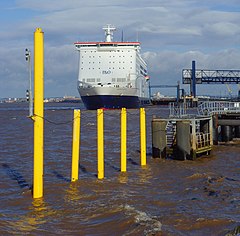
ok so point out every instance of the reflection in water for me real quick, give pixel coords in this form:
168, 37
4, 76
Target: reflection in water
145, 174
73, 193
123, 177
38, 214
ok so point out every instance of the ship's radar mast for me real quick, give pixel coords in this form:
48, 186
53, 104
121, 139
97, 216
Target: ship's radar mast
109, 32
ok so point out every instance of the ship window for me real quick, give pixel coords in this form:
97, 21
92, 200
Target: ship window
90, 80
113, 79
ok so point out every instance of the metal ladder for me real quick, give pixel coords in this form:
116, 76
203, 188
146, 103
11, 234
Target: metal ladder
170, 134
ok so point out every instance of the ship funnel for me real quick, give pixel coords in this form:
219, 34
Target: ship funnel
109, 32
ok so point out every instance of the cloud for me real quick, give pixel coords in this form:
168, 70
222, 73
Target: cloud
172, 34
166, 67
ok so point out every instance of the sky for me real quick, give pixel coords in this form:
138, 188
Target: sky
172, 33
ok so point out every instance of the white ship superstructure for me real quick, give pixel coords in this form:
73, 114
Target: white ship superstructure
112, 74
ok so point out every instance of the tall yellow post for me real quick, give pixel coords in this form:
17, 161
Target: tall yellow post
123, 140
75, 145
143, 136
38, 116
100, 142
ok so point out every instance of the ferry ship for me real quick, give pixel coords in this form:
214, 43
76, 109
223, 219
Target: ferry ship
112, 75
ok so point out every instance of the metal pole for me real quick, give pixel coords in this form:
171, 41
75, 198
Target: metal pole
100, 143
143, 136
75, 145
38, 114
30, 87
178, 93
123, 140
28, 58
193, 79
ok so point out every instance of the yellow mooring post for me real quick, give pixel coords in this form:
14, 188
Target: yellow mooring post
143, 136
38, 116
100, 143
75, 145
123, 140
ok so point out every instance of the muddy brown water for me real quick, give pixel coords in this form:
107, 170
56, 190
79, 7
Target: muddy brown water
167, 197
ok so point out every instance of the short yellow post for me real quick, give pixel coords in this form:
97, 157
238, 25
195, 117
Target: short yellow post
38, 116
100, 143
75, 145
143, 136
123, 140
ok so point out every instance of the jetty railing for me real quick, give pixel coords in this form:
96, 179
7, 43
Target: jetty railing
177, 110
218, 107
202, 140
